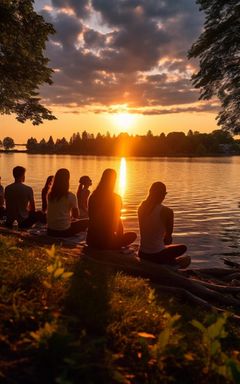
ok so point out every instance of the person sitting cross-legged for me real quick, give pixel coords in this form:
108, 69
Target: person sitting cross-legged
156, 227
105, 229
62, 208
83, 194
20, 203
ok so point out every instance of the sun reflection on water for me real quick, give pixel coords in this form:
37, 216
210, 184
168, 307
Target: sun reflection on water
122, 177
122, 183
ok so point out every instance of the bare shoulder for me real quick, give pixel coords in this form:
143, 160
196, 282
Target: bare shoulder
71, 195
117, 201
168, 212
117, 197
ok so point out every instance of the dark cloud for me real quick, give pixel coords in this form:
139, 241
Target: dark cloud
80, 7
122, 52
197, 109
94, 39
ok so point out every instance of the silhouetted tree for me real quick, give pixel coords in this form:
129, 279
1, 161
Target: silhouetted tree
175, 143
43, 146
218, 50
84, 135
222, 137
23, 66
32, 145
149, 133
61, 145
8, 143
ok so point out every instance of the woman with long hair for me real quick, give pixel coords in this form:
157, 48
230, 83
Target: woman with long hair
62, 208
83, 194
156, 227
45, 192
105, 230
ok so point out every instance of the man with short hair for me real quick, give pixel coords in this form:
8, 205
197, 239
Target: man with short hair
20, 203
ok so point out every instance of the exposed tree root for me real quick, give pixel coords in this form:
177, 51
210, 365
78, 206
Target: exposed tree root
207, 287
219, 288
232, 276
217, 272
201, 292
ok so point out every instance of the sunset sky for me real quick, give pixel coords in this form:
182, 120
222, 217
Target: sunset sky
120, 65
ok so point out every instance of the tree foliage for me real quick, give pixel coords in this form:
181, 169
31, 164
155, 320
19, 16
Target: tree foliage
218, 142
218, 49
8, 143
23, 66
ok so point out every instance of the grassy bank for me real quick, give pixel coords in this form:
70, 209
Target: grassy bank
63, 320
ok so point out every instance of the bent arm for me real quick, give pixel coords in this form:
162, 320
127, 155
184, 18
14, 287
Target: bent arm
75, 213
31, 202
169, 221
74, 206
83, 200
1, 201
118, 227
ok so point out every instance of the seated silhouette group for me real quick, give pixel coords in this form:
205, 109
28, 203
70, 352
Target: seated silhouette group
66, 214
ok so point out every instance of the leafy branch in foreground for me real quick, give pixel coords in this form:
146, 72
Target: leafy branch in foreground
216, 359
23, 66
218, 49
55, 270
95, 325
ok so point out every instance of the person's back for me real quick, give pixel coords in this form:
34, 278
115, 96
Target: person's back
152, 229
156, 226
83, 194
62, 207
59, 212
103, 217
18, 197
105, 230
19, 200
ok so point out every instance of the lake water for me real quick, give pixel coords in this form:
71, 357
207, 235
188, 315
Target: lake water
204, 193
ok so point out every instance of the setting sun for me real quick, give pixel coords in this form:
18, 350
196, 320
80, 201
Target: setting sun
123, 120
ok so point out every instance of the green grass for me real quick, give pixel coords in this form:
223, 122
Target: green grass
64, 320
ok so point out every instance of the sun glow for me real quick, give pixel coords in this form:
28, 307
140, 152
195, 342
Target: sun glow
123, 121
122, 177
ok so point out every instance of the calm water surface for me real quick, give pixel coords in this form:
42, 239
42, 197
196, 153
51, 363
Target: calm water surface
204, 193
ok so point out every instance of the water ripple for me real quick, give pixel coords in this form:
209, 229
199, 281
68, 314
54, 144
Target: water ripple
204, 193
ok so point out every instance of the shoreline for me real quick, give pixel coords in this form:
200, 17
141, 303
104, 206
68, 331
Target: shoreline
121, 155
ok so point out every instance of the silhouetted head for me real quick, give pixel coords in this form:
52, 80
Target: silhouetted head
156, 196
108, 180
157, 192
60, 185
49, 182
85, 181
19, 173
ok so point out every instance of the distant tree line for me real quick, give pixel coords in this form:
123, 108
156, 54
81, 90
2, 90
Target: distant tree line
218, 142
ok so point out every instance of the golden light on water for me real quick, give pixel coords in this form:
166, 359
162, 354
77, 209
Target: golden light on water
122, 177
